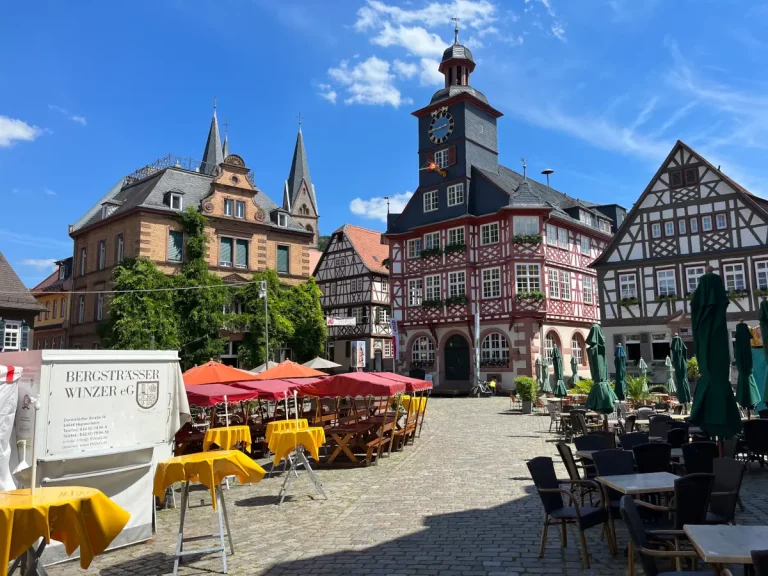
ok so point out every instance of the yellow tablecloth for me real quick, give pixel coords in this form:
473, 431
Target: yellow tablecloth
285, 442
419, 404
227, 438
281, 425
77, 517
208, 468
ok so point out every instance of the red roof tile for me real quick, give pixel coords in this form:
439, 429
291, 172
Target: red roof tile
368, 245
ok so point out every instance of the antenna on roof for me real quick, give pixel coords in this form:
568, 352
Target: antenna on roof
547, 172
387, 199
525, 167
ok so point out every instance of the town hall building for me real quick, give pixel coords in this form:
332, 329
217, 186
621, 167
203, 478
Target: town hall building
479, 242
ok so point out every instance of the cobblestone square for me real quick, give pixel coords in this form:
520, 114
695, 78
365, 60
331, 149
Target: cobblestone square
458, 502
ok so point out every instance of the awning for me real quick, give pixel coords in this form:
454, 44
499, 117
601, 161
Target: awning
212, 394
354, 384
288, 369
215, 373
411, 384
272, 389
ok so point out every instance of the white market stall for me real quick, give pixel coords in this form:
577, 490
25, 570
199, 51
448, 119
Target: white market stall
95, 418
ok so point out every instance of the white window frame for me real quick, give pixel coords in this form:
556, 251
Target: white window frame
414, 248
562, 238
120, 252
694, 225
12, 336
577, 351
586, 244
734, 276
456, 236
230, 263
388, 348
423, 350
431, 202
432, 289
525, 280
761, 274
441, 158
565, 285
551, 235
239, 209
717, 221
549, 346
491, 230
456, 194
382, 317
495, 346
83, 261
706, 223
682, 226
176, 201
669, 228
692, 276
415, 291
491, 281
656, 230
662, 278
625, 282
431, 240
525, 225
588, 290
229, 207
457, 284
282, 220
553, 279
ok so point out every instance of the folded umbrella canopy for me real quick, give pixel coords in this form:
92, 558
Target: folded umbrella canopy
557, 362
620, 363
601, 398
214, 373
764, 335
212, 394
747, 393
354, 384
574, 371
714, 406
546, 387
643, 368
670, 384
680, 364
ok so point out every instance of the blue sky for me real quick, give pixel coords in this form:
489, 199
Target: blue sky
598, 90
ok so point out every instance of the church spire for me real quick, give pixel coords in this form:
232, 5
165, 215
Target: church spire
299, 172
213, 154
225, 148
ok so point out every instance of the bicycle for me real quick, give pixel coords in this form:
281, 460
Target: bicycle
481, 388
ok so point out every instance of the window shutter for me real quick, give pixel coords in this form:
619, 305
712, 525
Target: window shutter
226, 250
241, 253
24, 336
95, 307
430, 157
282, 259
451, 155
2, 334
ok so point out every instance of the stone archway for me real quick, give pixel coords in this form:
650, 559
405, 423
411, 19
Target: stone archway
456, 359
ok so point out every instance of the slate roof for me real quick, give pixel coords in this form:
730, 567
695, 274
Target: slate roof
457, 51
451, 91
524, 196
13, 294
213, 154
151, 193
299, 172
53, 283
368, 245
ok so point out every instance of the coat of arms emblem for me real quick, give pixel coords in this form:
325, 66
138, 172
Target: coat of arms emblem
147, 394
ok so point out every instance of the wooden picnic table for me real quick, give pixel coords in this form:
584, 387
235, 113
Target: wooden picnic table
723, 544
351, 433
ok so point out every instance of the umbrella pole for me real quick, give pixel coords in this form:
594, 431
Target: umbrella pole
605, 422
226, 412
296, 405
285, 395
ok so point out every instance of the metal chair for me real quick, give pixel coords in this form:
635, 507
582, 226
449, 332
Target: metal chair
554, 416
591, 442
644, 413
760, 562
699, 456
652, 457
729, 474
756, 440
573, 473
613, 463
555, 512
629, 441
628, 425
676, 437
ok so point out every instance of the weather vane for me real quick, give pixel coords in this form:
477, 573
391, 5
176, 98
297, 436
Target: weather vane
214, 103
300, 118
456, 29
525, 166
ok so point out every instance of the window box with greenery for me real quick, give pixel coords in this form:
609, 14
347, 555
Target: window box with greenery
532, 296
422, 363
627, 302
667, 298
451, 248
736, 294
761, 292
460, 300
431, 303
430, 252
525, 388
496, 362
527, 239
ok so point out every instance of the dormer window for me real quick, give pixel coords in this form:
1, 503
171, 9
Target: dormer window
282, 219
175, 201
107, 209
62, 272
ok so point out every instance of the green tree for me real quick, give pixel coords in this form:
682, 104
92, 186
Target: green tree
200, 310
138, 319
322, 242
304, 311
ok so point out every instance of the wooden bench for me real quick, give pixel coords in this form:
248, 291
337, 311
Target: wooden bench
384, 437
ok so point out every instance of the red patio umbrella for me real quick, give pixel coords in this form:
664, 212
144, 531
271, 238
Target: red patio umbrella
215, 373
271, 389
287, 369
411, 384
212, 394
354, 384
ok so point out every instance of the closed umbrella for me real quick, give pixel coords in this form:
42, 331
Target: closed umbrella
680, 364
643, 367
670, 385
620, 363
546, 387
714, 406
747, 393
574, 371
601, 398
557, 362
764, 333
538, 373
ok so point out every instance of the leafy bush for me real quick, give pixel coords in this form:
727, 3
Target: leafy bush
693, 368
636, 389
583, 386
526, 388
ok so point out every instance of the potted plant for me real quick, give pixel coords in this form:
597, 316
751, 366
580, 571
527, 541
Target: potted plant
693, 374
637, 391
526, 392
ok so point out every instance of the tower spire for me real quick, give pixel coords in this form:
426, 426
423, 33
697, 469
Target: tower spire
455, 30
225, 147
213, 155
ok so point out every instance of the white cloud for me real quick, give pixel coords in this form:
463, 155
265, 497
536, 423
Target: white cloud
558, 31
40, 264
74, 117
327, 92
12, 129
376, 208
405, 69
49, 192
368, 82
547, 6
472, 13
430, 75
415, 39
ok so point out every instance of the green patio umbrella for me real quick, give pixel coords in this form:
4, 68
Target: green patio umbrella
680, 364
670, 385
714, 406
764, 334
643, 367
620, 363
574, 371
747, 393
557, 362
601, 397
546, 387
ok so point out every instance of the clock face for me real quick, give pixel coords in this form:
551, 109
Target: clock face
441, 127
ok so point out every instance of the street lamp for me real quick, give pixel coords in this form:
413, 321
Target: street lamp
263, 294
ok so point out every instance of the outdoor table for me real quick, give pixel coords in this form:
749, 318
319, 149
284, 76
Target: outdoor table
587, 454
293, 445
343, 435
420, 403
210, 469
634, 484
76, 516
227, 438
723, 544
279, 425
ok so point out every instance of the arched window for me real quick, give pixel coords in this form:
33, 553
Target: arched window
495, 347
550, 343
310, 229
577, 348
423, 350
304, 210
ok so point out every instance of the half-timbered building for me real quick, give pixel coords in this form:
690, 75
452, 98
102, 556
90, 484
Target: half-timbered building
478, 241
690, 216
354, 282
